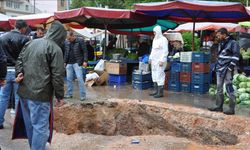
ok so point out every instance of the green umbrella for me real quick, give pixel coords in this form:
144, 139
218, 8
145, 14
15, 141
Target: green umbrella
245, 23
165, 25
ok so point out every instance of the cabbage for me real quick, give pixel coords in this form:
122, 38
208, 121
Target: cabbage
248, 84
244, 97
243, 85
242, 78
247, 90
212, 92
238, 100
226, 101
241, 90
245, 102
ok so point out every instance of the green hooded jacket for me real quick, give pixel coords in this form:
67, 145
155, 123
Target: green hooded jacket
41, 62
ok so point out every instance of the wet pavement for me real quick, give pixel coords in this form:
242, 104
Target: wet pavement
100, 93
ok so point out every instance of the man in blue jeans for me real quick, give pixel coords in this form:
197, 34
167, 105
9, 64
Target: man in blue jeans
75, 57
40, 72
12, 44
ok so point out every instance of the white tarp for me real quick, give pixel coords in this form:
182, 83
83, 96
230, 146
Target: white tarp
87, 33
231, 27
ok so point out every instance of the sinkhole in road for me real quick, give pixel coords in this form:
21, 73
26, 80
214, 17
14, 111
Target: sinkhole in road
137, 118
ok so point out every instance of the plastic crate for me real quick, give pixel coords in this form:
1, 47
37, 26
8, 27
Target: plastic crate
186, 57
141, 77
200, 78
174, 76
200, 57
186, 67
142, 85
175, 67
171, 59
174, 86
199, 88
117, 79
185, 87
200, 67
185, 77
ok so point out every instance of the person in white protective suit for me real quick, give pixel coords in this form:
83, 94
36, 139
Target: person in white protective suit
158, 61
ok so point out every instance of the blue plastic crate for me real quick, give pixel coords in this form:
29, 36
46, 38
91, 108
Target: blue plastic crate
185, 87
199, 88
174, 86
142, 85
186, 67
200, 57
171, 59
200, 78
175, 67
141, 77
174, 76
117, 79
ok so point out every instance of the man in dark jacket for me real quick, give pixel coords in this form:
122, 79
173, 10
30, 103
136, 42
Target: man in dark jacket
3, 67
40, 72
12, 44
75, 57
227, 61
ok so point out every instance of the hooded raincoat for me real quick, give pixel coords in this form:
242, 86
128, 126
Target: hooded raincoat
41, 62
159, 55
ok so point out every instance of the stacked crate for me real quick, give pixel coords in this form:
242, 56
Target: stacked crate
174, 77
117, 73
200, 72
141, 80
186, 71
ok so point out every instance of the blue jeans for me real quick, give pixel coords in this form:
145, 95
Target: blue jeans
36, 119
5, 94
70, 69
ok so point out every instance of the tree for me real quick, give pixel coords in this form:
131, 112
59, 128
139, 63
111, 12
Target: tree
98, 3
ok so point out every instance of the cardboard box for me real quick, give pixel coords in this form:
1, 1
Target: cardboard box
102, 80
116, 68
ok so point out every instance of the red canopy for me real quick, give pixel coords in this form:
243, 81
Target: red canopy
105, 18
198, 11
4, 22
34, 19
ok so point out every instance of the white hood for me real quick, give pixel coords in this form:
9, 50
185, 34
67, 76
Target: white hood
158, 32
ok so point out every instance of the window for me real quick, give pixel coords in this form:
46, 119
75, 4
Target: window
16, 5
27, 7
62, 3
9, 4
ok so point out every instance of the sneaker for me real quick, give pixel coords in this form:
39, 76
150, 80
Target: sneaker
67, 97
1, 127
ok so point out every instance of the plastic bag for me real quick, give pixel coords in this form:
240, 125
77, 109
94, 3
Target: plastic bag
100, 65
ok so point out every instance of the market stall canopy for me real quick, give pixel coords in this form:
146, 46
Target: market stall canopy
87, 33
196, 11
103, 18
231, 27
4, 22
165, 25
34, 19
199, 11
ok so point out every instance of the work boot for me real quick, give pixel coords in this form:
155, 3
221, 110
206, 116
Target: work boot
160, 92
155, 90
231, 111
219, 103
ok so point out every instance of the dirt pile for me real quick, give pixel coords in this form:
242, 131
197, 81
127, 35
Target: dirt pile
131, 118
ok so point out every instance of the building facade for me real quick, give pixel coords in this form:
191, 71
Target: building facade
63, 4
15, 8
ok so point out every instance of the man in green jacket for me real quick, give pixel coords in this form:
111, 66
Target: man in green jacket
40, 72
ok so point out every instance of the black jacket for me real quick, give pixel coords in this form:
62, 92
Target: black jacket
79, 49
3, 63
228, 55
12, 44
41, 62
